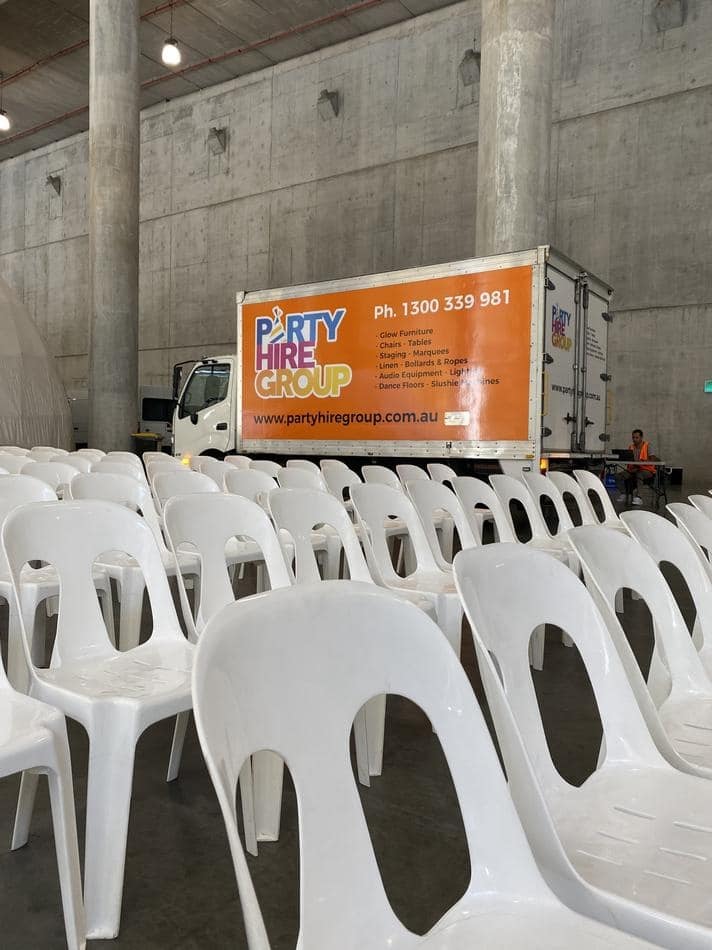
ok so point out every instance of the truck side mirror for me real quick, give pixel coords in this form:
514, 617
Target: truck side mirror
194, 418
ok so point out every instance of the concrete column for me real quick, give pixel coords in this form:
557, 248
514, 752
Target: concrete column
113, 221
515, 125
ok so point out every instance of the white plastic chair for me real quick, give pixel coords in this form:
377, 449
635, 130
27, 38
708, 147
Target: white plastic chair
131, 493
432, 500
515, 468
297, 476
127, 458
332, 463
182, 481
374, 505
57, 475
631, 844
510, 489
119, 467
238, 461
12, 464
695, 524
14, 450
305, 464
380, 475
592, 485
41, 455
542, 489
480, 503
49, 448
356, 638
81, 462
324, 539
33, 736
207, 524
95, 454
338, 479
114, 695
157, 457
213, 468
296, 511
678, 685
568, 485
250, 483
409, 473
439, 472
702, 502
264, 465
168, 464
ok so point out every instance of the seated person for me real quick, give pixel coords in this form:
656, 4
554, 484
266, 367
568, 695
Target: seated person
635, 474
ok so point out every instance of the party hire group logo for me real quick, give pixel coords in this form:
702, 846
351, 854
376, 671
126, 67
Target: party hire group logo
560, 322
286, 361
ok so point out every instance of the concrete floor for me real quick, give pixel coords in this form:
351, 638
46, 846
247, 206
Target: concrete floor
179, 888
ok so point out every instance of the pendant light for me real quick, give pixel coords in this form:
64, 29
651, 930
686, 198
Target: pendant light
170, 53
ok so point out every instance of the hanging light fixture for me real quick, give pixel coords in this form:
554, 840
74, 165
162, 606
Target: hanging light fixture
4, 117
171, 52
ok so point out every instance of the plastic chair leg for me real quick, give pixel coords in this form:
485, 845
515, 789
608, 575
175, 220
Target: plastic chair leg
131, 609
267, 779
333, 558
181, 726
17, 671
449, 611
446, 536
64, 823
247, 796
111, 763
261, 577
620, 607
25, 808
375, 714
103, 589
361, 743
536, 647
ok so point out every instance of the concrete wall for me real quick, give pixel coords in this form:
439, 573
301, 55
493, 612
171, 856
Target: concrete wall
391, 182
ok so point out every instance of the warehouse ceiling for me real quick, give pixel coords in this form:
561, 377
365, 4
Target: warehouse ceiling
44, 50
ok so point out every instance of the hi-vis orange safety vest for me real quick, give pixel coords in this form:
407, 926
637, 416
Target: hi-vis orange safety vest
643, 456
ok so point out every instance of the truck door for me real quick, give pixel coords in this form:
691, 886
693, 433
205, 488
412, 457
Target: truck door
593, 376
559, 397
203, 418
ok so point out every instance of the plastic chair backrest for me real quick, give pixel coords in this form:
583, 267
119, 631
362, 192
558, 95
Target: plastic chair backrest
55, 474
508, 489
250, 483
441, 473
568, 485
265, 465
592, 485
121, 490
302, 478
667, 544
96, 454
409, 473
157, 457
14, 450
431, 499
472, 492
42, 455
238, 461
71, 536
159, 465
49, 448
502, 626
17, 490
612, 560
184, 482
540, 487
332, 463
515, 468
702, 502
13, 464
297, 511
207, 523
338, 478
128, 458
108, 464
305, 464
80, 462
375, 504
696, 525
213, 468
380, 475
340, 643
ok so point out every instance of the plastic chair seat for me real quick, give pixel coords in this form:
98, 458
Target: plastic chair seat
426, 582
23, 727
642, 834
158, 673
688, 724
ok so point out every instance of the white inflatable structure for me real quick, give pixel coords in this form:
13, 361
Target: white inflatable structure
33, 405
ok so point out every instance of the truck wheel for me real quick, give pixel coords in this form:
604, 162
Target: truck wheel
213, 454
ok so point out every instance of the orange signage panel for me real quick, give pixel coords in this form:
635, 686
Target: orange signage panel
447, 358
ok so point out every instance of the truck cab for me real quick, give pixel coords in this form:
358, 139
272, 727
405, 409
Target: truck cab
204, 416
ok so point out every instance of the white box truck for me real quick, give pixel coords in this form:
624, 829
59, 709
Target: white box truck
501, 357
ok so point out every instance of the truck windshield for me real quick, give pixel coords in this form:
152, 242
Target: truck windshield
206, 387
